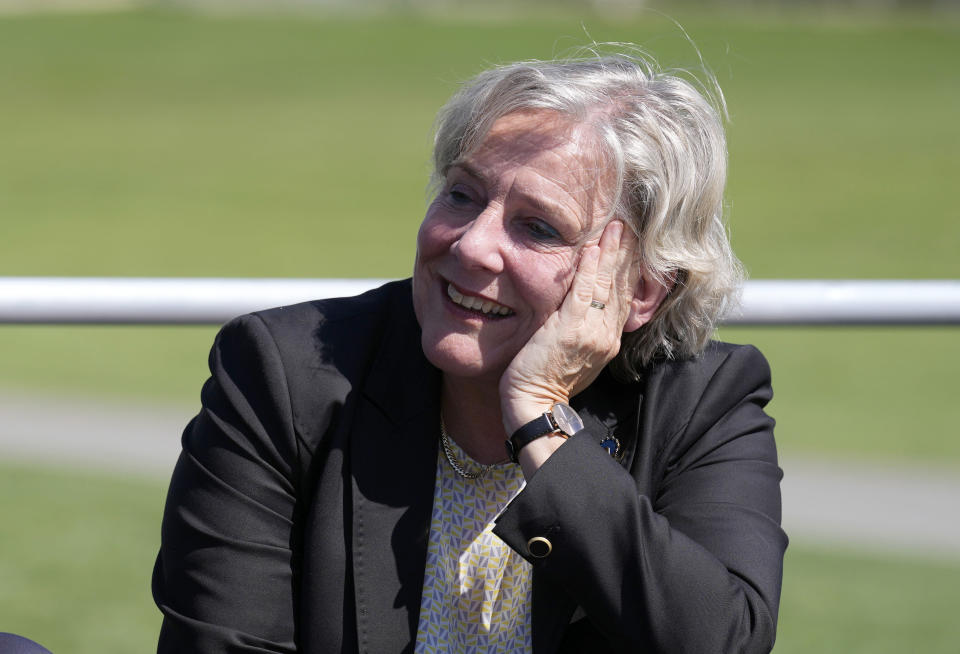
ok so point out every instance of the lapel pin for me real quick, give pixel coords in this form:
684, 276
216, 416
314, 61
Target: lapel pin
611, 445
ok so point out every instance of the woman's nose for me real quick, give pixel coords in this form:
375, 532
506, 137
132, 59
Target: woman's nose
480, 245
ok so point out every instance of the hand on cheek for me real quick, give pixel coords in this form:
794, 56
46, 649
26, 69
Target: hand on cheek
571, 348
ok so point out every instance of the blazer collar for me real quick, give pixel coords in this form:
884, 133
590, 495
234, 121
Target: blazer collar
401, 382
611, 407
393, 456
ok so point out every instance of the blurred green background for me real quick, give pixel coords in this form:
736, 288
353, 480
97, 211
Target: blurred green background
161, 142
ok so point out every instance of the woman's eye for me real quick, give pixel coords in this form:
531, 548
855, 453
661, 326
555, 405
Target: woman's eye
542, 231
458, 197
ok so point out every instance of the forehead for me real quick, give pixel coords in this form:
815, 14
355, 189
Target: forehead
553, 148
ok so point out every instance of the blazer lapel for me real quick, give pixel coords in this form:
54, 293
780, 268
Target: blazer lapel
393, 463
609, 407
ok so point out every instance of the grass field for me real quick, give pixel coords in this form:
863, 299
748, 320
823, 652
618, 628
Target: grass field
152, 143
171, 144
90, 594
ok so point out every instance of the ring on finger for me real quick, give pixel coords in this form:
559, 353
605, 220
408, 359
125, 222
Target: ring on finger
597, 304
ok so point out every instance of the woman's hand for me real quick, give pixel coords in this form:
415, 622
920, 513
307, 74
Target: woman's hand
571, 348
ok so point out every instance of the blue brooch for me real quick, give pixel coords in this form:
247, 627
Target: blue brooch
611, 445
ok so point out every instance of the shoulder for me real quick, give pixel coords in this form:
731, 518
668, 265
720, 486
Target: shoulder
726, 365
318, 331
334, 318
673, 395
709, 397
308, 357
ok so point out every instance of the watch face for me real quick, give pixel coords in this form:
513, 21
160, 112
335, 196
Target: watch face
567, 419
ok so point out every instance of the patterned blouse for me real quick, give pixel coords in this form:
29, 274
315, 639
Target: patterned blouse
476, 590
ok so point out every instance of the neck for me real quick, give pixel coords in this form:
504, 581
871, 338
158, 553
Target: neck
471, 414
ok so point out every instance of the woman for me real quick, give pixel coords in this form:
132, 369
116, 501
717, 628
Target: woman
532, 446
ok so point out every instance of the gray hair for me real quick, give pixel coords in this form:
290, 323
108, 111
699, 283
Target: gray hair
664, 140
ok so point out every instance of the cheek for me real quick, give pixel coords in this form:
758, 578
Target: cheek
546, 280
434, 236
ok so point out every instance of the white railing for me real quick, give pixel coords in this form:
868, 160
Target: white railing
108, 300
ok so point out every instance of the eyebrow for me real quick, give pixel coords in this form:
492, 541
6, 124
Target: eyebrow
470, 170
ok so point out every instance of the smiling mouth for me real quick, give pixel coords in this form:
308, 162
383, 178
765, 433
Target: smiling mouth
487, 307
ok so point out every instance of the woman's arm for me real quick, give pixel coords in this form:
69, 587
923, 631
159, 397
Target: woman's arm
572, 347
694, 567
225, 575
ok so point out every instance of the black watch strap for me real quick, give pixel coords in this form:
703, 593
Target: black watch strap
539, 426
561, 420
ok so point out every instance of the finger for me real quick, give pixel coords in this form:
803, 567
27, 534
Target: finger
581, 291
609, 259
629, 249
628, 271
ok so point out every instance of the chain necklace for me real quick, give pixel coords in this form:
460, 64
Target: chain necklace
455, 462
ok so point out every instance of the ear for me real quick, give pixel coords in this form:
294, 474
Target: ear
647, 298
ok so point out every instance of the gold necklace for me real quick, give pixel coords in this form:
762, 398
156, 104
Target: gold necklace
454, 461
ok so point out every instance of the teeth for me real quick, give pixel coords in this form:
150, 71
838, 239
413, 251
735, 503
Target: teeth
475, 303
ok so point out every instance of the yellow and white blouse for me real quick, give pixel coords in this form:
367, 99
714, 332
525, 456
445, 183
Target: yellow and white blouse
476, 590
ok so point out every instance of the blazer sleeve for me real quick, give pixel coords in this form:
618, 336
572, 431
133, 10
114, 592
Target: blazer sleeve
225, 576
694, 566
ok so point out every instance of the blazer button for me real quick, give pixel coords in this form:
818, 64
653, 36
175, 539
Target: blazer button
539, 547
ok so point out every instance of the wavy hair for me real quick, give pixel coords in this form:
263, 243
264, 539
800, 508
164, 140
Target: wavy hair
661, 133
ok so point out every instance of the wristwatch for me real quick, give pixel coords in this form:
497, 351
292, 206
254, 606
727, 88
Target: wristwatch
561, 420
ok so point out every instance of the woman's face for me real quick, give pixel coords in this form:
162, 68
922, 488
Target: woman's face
499, 245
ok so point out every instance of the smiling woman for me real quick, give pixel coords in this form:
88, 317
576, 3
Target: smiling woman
471, 461
506, 231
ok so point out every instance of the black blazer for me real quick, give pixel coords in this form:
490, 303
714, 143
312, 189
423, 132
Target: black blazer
298, 514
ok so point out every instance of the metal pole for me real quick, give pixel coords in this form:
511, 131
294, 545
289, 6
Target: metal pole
160, 301
849, 302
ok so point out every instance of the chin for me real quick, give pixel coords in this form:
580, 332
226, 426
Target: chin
458, 361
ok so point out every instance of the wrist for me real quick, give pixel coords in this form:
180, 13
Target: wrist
559, 422
518, 413
537, 452
518, 407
